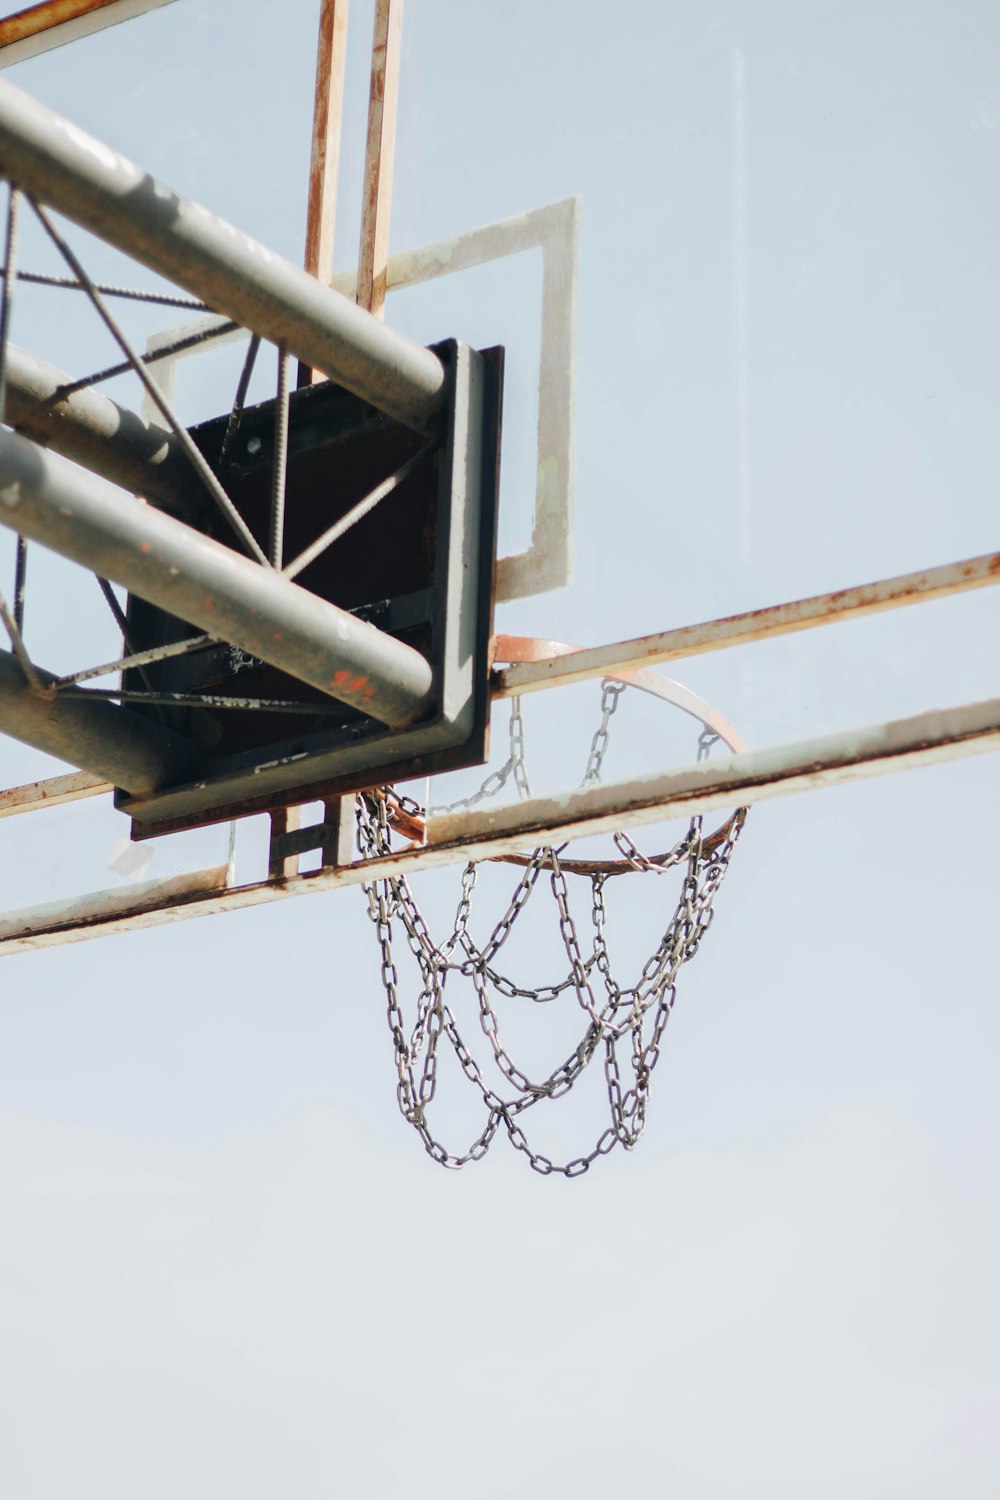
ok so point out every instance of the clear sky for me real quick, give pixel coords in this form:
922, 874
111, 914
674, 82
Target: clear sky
227, 1266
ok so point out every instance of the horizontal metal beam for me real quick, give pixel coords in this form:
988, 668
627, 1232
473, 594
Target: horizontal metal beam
93, 734
757, 625
104, 192
53, 791
98, 909
729, 781
95, 431
200, 580
751, 776
52, 23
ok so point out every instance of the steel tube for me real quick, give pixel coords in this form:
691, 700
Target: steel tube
558, 669
752, 776
95, 431
133, 752
200, 580
106, 193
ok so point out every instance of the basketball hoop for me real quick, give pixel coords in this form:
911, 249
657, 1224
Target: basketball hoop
618, 1020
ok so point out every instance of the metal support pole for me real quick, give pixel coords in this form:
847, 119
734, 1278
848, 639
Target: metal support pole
9, 278
95, 735
116, 200
376, 204
324, 163
199, 579
95, 431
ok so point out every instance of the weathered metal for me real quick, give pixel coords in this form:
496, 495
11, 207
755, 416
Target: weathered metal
209, 331
52, 23
102, 191
748, 777
756, 625
12, 625
202, 581
90, 733
279, 467
376, 202
53, 791
517, 650
207, 475
90, 915
138, 658
324, 163
431, 590
95, 431
510, 649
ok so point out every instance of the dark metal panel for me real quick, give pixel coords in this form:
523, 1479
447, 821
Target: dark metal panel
49, 501
421, 567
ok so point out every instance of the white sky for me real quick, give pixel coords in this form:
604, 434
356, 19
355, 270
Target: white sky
227, 1266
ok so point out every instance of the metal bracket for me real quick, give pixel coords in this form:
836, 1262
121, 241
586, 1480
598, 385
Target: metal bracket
334, 836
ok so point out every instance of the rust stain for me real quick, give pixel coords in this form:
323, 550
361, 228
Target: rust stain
32, 19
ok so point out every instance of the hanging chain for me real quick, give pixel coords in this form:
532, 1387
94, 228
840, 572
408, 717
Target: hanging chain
624, 1025
611, 691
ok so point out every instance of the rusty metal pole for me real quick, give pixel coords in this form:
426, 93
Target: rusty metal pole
376, 205
324, 161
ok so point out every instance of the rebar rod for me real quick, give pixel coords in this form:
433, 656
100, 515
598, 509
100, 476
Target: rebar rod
198, 461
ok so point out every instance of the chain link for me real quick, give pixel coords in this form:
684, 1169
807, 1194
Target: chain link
611, 691
625, 1027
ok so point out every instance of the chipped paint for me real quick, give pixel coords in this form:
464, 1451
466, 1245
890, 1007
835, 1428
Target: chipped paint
756, 625
751, 776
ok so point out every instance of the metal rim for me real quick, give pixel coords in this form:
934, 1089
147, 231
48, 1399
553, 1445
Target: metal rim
511, 650
514, 650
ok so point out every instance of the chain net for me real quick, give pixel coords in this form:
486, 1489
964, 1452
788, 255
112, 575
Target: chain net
622, 1026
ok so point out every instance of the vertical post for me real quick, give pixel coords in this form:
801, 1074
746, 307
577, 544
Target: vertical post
742, 340
324, 164
338, 817
9, 278
377, 201
7, 293
280, 865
